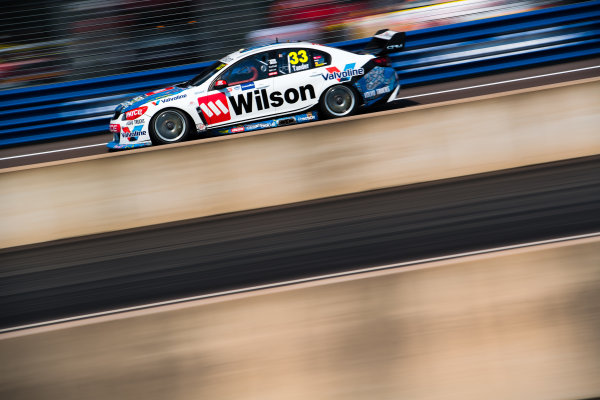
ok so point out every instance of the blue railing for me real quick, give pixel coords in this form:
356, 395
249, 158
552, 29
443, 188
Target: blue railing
448, 52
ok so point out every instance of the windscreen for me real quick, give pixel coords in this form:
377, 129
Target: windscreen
207, 73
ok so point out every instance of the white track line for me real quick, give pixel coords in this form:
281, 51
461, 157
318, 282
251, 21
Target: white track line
498, 83
52, 151
297, 281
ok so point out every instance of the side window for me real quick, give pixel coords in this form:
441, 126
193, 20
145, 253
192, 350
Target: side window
293, 60
250, 69
320, 58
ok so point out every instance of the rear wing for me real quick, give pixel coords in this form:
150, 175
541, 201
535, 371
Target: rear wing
385, 41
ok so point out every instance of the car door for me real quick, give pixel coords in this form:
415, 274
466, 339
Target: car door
297, 81
244, 98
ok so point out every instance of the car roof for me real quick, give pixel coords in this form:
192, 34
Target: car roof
233, 57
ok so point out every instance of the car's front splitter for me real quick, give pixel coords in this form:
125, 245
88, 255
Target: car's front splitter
119, 146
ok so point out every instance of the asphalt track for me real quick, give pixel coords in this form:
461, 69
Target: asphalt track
512, 80
82, 275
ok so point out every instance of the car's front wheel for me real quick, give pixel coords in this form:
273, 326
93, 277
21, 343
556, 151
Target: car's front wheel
339, 101
169, 126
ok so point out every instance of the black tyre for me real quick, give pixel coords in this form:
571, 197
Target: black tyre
169, 126
339, 101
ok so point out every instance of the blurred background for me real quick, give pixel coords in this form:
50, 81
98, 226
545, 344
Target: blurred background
48, 42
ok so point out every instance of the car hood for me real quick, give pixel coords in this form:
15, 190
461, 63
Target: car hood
148, 97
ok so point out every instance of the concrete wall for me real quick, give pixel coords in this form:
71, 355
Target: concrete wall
104, 193
519, 325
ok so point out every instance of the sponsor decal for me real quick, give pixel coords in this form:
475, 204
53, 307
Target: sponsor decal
309, 116
136, 122
345, 75
136, 112
245, 103
260, 125
159, 91
272, 73
115, 128
215, 108
383, 90
272, 123
319, 60
137, 131
169, 99
246, 86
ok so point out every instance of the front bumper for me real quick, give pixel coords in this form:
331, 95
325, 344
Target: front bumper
118, 146
126, 141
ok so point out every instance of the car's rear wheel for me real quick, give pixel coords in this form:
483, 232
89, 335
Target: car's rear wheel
169, 126
339, 101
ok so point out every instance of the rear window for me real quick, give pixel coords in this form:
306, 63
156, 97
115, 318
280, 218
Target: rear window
296, 60
320, 59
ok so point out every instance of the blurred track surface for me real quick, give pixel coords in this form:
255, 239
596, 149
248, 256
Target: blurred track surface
78, 147
82, 275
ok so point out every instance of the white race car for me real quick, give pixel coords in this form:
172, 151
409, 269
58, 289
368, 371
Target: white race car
262, 87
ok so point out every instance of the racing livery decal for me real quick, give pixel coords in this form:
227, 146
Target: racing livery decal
272, 123
244, 103
169, 99
345, 75
215, 108
137, 131
136, 112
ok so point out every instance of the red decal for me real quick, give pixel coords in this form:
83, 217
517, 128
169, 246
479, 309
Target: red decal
136, 112
126, 129
115, 128
238, 129
159, 90
215, 108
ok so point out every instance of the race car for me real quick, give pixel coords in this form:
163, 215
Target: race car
262, 87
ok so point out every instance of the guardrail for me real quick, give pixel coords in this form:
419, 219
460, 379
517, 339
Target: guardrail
448, 52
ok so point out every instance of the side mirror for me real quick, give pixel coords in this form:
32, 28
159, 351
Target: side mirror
220, 84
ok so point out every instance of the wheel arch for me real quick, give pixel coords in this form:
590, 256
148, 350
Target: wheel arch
191, 123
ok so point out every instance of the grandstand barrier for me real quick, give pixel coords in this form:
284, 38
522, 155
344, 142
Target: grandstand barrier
449, 52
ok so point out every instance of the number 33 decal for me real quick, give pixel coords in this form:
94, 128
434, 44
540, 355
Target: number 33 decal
298, 57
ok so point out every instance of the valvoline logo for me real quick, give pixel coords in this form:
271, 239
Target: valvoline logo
168, 99
137, 131
136, 112
342, 76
